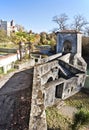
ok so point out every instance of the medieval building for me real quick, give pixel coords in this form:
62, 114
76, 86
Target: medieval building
8, 26
57, 77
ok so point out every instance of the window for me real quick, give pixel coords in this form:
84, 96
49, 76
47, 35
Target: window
59, 90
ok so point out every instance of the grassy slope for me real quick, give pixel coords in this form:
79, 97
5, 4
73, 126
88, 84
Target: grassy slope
57, 121
79, 100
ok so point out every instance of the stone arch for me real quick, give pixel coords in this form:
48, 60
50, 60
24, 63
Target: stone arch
50, 79
67, 47
47, 78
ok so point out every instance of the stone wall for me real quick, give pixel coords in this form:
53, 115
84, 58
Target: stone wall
44, 73
26, 64
37, 116
8, 50
8, 59
73, 85
6, 62
49, 85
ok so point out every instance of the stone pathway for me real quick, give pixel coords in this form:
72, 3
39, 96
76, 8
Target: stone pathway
15, 100
5, 78
68, 111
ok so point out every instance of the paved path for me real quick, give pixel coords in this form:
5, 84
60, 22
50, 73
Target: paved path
5, 78
15, 100
68, 111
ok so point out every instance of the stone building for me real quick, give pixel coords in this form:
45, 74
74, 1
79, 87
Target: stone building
8, 26
69, 41
57, 77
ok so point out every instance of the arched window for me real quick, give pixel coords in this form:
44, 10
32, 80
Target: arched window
50, 79
67, 47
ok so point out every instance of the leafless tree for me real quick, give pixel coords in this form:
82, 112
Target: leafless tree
79, 23
61, 21
86, 31
20, 27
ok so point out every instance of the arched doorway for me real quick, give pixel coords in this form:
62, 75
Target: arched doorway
67, 47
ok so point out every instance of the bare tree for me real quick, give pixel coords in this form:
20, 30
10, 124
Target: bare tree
61, 21
79, 23
20, 27
86, 31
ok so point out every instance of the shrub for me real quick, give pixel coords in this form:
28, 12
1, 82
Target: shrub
80, 118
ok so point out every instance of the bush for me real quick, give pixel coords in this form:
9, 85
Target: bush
80, 118
1, 70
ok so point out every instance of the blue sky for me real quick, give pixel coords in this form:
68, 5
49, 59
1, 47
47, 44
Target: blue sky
36, 15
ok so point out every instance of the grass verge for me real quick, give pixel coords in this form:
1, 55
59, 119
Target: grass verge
55, 120
79, 100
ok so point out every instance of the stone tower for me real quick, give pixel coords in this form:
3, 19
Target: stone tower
69, 41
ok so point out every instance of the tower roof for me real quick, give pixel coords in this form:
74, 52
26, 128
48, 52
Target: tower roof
68, 31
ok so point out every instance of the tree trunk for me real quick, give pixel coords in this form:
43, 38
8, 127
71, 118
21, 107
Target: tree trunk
20, 51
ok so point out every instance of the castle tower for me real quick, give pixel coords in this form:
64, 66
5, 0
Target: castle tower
69, 41
12, 23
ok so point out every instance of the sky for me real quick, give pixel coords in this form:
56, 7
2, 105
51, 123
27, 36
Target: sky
37, 15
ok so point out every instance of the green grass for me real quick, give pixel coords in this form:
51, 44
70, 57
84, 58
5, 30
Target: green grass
1, 70
9, 71
8, 45
81, 118
79, 100
55, 120
3, 53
